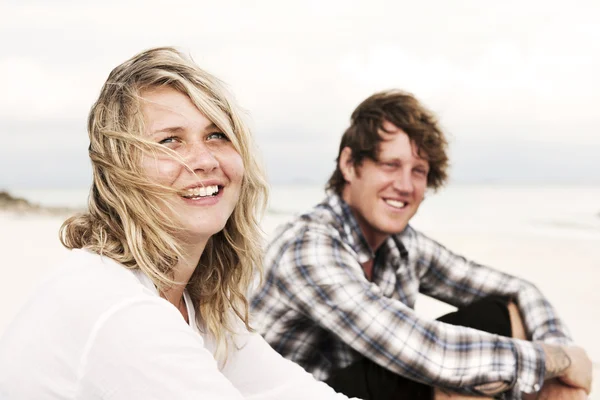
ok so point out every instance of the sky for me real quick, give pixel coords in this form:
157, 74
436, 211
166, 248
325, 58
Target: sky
514, 83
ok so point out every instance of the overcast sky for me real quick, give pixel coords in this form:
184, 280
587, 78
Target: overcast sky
515, 83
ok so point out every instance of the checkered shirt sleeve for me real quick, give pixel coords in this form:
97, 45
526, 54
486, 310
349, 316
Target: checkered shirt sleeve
318, 275
455, 280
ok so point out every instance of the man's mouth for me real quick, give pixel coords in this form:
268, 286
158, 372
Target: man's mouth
395, 203
202, 192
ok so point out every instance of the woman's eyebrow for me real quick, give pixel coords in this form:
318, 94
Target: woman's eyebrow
168, 129
179, 129
211, 127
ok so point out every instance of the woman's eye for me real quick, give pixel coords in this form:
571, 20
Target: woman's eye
168, 140
421, 172
217, 135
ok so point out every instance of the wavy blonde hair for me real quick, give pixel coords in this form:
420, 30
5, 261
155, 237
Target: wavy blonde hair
127, 219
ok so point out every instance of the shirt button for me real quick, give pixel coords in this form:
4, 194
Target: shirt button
536, 387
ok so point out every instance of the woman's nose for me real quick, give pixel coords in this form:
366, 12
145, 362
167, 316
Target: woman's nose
202, 158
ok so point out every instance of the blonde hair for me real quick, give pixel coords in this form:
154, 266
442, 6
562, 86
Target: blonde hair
125, 220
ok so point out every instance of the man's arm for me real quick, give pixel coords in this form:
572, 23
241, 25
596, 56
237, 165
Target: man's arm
319, 276
555, 390
455, 280
570, 364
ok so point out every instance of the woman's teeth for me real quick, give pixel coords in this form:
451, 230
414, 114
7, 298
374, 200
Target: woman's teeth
395, 203
201, 192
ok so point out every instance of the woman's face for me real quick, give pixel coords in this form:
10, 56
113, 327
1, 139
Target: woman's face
207, 197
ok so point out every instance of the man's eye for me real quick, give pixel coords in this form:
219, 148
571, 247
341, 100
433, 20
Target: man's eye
217, 135
421, 172
390, 165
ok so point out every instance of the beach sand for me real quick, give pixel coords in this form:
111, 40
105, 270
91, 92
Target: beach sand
566, 269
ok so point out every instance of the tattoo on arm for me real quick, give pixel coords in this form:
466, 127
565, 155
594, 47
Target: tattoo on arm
557, 361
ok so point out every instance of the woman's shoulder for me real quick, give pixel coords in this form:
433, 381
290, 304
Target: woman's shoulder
89, 310
86, 277
81, 290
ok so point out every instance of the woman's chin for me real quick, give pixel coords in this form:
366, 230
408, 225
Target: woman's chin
202, 234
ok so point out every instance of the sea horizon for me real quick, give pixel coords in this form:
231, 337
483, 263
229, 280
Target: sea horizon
571, 210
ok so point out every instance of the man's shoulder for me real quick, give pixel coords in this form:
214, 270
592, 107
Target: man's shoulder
317, 226
320, 219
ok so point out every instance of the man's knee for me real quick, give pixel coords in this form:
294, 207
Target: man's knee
494, 314
490, 314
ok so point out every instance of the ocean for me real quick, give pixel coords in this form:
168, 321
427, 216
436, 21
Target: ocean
572, 211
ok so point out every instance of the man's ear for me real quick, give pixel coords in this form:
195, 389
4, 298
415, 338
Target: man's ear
347, 164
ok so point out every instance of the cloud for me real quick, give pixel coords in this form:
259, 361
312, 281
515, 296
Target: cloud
36, 90
492, 74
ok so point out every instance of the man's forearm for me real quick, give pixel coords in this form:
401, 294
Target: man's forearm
557, 361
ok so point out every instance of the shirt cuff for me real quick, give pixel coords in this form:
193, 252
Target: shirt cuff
558, 340
531, 366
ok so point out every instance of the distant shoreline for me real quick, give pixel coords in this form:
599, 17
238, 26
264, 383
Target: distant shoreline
20, 205
64, 202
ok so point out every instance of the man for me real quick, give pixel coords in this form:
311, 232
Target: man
342, 281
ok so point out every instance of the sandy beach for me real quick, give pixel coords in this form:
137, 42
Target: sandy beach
566, 269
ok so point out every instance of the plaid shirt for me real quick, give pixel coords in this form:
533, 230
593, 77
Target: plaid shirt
318, 309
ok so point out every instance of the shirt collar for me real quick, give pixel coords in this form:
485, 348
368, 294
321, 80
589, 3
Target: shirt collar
352, 232
349, 226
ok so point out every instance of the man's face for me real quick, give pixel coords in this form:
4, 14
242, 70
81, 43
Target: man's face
385, 194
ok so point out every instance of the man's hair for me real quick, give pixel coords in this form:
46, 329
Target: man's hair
405, 112
128, 216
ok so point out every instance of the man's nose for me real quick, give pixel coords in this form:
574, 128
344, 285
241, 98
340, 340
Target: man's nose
403, 181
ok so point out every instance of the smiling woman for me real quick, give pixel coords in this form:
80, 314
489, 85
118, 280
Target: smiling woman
151, 302
205, 170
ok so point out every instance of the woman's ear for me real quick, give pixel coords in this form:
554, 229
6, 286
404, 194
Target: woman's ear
346, 164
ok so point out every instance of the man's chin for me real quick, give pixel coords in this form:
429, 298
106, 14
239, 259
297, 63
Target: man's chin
394, 229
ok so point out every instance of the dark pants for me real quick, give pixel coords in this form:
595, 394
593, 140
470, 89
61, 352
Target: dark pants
369, 381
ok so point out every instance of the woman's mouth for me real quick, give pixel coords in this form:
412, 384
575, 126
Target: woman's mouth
202, 192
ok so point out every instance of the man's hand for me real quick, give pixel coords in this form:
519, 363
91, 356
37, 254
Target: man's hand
570, 364
556, 390
579, 374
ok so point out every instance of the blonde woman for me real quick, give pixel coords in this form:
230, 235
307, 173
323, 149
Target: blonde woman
151, 302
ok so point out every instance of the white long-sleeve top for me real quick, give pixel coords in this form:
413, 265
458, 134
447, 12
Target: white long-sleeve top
96, 330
